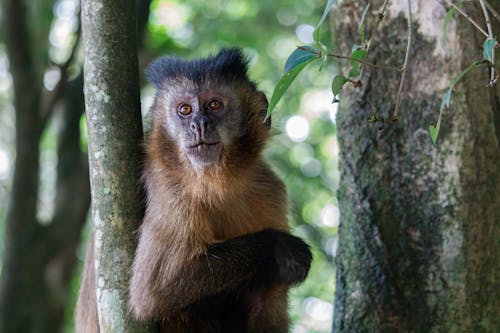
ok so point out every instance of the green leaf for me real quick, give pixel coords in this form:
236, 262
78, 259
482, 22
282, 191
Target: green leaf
356, 47
488, 49
324, 53
355, 71
445, 102
316, 34
299, 56
337, 84
434, 130
446, 21
328, 7
284, 83
359, 54
362, 26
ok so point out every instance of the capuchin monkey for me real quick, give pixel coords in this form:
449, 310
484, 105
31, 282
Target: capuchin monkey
215, 253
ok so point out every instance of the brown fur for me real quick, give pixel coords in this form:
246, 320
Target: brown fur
86, 320
187, 210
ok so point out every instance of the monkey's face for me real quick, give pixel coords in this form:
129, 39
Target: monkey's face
202, 121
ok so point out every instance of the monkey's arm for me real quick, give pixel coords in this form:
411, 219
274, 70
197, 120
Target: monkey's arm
264, 258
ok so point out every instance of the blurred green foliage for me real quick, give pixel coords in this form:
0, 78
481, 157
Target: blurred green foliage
303, 151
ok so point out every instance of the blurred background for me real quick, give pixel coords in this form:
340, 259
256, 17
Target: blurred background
303, 151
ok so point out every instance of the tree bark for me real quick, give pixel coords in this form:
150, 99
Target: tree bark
419, 236
115, 134
21, 228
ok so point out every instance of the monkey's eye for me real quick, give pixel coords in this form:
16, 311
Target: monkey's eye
215, 105
184, 109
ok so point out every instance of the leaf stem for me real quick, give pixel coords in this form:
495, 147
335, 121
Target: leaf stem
475, 64
49, 101
493, 73
467, 17
405, 63
492, 10
381, 14
340, 56
390, 68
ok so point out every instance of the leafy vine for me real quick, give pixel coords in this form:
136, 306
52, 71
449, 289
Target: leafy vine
305, 54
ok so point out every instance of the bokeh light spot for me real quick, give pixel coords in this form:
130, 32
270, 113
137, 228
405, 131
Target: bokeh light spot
297, 128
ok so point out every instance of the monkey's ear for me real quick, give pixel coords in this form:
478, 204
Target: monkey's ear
231, 62
155, 71
263, 105
162, 68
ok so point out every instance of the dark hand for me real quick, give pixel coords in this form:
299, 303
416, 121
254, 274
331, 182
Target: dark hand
288, 257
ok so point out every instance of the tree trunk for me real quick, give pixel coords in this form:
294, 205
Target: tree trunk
115, 135
21, 229
39, 260
419, 236
71, 207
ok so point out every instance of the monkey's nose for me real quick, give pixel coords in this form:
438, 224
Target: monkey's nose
198, 126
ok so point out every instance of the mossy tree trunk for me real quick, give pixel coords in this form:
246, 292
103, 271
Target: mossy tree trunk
115, 135
419, 241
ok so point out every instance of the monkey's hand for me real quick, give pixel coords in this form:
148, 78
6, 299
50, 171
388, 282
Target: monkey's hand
277, 257
293, 258
287, 257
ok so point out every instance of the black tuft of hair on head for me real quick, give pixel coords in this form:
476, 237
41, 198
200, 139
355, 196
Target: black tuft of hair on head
228, 64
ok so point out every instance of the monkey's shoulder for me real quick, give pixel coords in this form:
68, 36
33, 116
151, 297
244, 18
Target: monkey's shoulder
267, 180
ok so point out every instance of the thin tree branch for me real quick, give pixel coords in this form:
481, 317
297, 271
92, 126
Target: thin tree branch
390, 68
493, 73
492, 10
339, 56
381, 15
467, 17
51, 99
405, 64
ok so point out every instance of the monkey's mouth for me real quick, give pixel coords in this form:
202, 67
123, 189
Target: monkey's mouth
203, 154
201, 144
